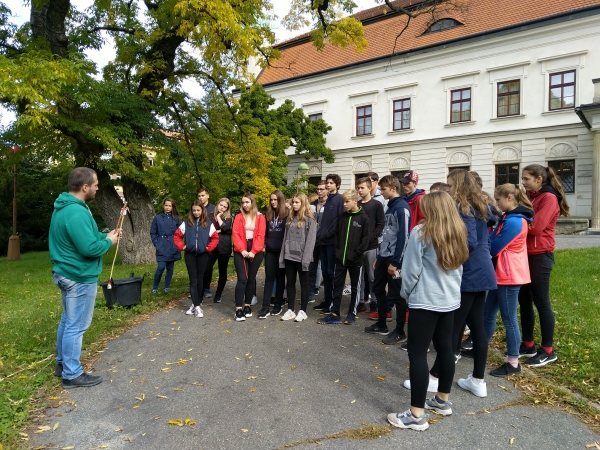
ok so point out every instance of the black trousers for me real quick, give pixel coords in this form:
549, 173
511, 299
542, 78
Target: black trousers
246, 270
339, 281
273, 274
423, 327
538, 293
196, 265
383, 279
293, 268
223, 262
312, 269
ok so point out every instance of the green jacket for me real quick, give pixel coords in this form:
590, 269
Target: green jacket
76, 245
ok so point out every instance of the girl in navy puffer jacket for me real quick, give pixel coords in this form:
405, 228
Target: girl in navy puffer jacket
162, 231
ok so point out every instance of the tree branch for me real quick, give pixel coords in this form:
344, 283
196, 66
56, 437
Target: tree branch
188, 145
117, 29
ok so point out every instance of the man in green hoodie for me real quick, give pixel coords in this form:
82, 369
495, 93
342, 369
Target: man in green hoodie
76, 249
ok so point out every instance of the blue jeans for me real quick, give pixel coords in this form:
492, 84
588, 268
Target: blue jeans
78, 301
162, 265
328, 271
505, 298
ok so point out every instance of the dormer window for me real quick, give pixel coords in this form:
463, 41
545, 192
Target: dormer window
443, 24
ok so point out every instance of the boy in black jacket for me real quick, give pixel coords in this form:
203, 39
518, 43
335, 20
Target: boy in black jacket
351, 242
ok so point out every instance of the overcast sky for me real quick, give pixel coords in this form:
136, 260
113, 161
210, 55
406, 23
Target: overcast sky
281, 7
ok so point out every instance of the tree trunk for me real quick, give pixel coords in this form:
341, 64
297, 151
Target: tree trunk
135, 246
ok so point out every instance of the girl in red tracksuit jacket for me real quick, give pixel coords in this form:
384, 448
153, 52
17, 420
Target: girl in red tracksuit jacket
545, 191
508, 247
201, 238
249, 228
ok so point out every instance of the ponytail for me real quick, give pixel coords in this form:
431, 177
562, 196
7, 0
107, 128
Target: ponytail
518, 193
549, 177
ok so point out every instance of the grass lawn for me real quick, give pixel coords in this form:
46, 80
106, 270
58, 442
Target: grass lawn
30, 309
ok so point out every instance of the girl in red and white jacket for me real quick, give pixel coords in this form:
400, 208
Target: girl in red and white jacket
545, 191
200, 238
249, 228
508, 247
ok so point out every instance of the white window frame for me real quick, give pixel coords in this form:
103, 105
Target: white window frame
550, 65
466, 80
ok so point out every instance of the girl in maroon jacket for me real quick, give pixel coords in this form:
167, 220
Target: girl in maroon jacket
249, 227
545, 191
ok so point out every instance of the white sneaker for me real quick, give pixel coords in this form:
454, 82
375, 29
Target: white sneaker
190, 312
347, 290
198, 312
431, 387
301, 316
469, 384
289, 315
254, 301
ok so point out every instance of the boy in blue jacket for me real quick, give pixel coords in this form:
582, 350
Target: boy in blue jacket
389, 260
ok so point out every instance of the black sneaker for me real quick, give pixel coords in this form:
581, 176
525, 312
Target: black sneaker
376, 330
264, 313
541, 358
276, 310
505, 370
83, 380
239, 315
217, 298
527, 351
467, 344
58, 370
350, 319
325, 311
404, 346
247, 311
394, 338
321, 306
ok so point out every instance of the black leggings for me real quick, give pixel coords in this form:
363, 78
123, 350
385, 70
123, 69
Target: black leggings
196, 265
223, 259
291, 269
424, 326
538, 293
471, 310
273, 273
246, 277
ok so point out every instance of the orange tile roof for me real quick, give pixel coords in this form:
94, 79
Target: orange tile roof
299, 56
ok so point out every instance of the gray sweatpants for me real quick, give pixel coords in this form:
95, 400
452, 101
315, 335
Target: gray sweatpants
368, 259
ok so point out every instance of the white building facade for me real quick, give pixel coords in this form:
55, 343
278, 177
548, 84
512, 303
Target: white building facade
492, 103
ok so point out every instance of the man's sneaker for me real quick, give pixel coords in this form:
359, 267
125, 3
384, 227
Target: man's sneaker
431, 387
376, 330
154, 291
408, 420
505, 370
469, 384
217, 298
239, 315
247, 311
350, 319
301, 316
207, 293
254, 300
394, 338
83, 380
190, 312
311, 298
198, 312
264, 313
528, 352
439, 406
347, 290
276, 310
467, 344
375, 316
289, 315
329, 319
541, 358
362, 307
321, 306
457, 357
58, 370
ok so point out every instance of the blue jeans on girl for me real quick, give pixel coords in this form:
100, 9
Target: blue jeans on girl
162, 265
505, 298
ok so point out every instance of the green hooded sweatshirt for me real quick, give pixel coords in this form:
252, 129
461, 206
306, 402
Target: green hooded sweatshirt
76, 245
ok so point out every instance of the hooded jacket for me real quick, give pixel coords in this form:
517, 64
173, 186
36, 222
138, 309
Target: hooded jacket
395, 231
76, 245
547, 210
299, 243
351, 238
334, 206
162, 230
198, 239
414, 205
508, 246
478, 271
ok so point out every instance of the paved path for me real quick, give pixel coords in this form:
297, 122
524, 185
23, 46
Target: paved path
264, 384
577, 241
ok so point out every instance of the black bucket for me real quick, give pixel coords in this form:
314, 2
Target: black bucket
124, 292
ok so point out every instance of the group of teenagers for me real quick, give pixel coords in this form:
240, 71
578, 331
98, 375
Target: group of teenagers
445, 260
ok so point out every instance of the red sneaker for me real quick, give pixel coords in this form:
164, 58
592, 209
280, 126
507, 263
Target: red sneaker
375, 316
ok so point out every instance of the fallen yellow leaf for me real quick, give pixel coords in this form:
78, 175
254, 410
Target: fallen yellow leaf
353, 401
252, 377
71, 447
166, 369
244, 430
512, 441
381, 377
173, 323
293, 367
252, 390
118, 430
239, 359
162, 396
236, 381
345, 386
55, 426
136, 406
227, 331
